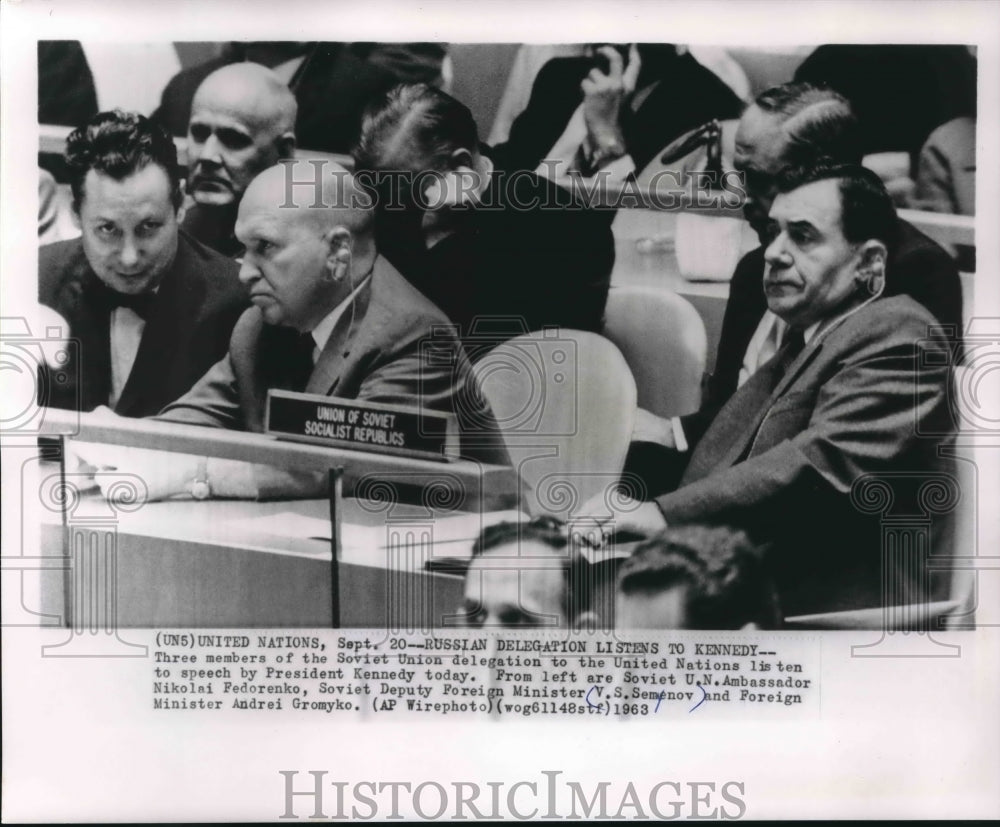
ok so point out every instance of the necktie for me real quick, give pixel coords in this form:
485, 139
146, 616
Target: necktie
792, 345
141, 304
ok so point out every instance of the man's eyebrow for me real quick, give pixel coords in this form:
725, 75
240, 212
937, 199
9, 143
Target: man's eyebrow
802, 224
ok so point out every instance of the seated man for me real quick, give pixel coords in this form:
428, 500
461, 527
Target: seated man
150, 307
514, 251
694, 577
330, 317
617, 108
242, 122
526, 574
787, 126
857, 381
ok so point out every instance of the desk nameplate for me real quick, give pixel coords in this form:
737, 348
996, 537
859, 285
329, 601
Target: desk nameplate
362, 426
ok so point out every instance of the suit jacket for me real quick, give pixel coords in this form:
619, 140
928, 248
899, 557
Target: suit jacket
686, 96
526, 257
779, 460
393, 346
197, 304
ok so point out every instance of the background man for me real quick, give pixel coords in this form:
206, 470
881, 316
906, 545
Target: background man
151, 308
242, 122
846, 395
695, 577
515, 251
330, 317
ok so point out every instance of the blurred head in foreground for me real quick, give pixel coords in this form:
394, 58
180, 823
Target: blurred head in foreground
695, 577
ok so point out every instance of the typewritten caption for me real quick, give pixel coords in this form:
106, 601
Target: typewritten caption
495, 674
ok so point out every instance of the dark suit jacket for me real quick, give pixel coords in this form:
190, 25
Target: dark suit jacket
686, 96
393, 347
526, 257
781, 463
197, 304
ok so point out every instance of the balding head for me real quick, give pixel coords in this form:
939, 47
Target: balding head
307, 247
242, 121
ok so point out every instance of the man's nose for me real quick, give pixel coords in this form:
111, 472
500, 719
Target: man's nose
130, 252
211, 150
248, 271
776, 253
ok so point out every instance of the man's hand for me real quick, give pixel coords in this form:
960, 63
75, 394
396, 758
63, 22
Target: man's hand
605, 95
621, 514
136, 475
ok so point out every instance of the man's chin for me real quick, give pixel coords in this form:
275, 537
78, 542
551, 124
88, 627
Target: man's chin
213, 196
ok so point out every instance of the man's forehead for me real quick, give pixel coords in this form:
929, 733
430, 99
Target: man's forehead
146, 188
251, 113
817, 203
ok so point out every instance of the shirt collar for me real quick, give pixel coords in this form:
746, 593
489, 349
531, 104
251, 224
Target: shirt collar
322, 332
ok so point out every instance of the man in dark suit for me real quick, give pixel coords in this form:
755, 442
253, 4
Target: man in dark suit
857, 380
242, 122
633, 103
331, 317
151, 308
501, 254
793, 125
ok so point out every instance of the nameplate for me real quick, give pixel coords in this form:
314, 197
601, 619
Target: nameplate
362, 426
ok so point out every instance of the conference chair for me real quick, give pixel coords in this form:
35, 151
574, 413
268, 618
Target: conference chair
565, 401
663, 340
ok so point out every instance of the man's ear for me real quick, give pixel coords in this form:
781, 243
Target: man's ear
338, 261
871, 266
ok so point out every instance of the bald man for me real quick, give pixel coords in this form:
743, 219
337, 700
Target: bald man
242, 122
330, 317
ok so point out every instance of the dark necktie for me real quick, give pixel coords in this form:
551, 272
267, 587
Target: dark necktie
792, 345
301, 357
141, 304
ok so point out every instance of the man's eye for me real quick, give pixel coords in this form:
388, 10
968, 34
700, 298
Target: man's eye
231, 139
149, 227
106, 230
263, 247
199, 133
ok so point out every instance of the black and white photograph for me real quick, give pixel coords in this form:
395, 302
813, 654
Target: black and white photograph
568, 363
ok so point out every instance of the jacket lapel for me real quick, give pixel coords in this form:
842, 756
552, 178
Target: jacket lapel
359, 322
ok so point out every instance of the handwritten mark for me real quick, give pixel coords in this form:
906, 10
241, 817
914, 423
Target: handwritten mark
658, 700
704, 697
587, 698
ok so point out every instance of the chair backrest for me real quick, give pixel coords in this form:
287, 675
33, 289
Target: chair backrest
662, 338
565, 402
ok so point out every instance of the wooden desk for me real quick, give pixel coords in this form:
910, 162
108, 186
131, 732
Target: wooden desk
219, 564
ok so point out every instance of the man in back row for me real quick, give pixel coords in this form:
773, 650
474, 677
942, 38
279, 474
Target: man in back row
242, 122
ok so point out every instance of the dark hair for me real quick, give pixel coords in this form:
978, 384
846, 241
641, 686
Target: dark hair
726, 581
579, 576
119, 144
419, 119
866, 208
818, 122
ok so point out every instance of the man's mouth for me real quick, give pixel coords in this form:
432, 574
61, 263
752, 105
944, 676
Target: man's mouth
210, 182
